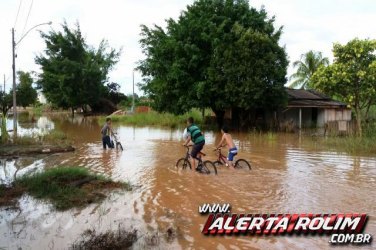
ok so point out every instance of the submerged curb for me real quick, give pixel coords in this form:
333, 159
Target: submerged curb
16, 150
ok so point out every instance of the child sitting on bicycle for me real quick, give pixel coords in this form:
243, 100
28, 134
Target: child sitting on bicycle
198, 139
227, 139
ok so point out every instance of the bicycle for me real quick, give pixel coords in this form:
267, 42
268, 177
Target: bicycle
222, 160
117, 142
206, 167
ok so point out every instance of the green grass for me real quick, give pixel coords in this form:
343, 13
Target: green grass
155, 119
25, 140
54, 137
67, 187
38, 110
354, 144
271, 136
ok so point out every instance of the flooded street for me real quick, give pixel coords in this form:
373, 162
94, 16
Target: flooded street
289, 175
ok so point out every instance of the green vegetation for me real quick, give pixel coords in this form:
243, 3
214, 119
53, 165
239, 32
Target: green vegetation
26, 94
354, 144
64, 187
271, 136
154, 118
308, 64
5, 104
219, 54
352, 76
370, 114
73, 73
54, 137
38, 110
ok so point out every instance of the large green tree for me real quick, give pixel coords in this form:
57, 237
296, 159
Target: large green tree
219, 54
308, 64
26, 94
352, 76
74, 73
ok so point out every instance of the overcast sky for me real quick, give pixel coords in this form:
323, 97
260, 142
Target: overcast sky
307, 25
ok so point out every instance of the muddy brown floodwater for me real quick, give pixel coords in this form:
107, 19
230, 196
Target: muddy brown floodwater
289, 175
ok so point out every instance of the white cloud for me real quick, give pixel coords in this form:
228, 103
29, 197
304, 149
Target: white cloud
307, 25
318, 24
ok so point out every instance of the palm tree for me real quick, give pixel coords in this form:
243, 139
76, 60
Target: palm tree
307, 66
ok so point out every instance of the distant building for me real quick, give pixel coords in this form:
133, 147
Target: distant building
305, 109
41, 98
309, 108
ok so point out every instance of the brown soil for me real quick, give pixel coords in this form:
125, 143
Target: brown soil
9, 195
19, 150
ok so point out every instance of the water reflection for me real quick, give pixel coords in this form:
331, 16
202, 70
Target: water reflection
31, 126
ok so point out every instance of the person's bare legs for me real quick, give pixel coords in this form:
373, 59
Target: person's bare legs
230, 164
193, 163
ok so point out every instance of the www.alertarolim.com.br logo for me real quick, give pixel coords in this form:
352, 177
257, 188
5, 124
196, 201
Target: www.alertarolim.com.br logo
343, 228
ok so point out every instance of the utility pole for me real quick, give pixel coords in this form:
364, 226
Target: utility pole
14, 86
14, 44
133, 94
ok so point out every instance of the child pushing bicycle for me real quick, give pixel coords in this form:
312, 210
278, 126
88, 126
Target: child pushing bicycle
106, 132
227, 140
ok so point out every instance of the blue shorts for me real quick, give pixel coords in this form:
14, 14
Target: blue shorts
231, 153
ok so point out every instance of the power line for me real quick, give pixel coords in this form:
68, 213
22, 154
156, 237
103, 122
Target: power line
27, 18
18, 12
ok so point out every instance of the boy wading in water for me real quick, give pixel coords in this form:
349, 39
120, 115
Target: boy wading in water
106, 133
232, 150
198, 139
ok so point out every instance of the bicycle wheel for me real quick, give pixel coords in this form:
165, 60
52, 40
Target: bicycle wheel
218, 163
208, 167
183, 163
242, 164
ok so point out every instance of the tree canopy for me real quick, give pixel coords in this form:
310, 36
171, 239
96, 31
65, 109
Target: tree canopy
308, 64
219, 54
352, 76
74, 73
6, 102
26, 94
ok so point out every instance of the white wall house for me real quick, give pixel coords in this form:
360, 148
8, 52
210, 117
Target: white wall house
41, 98
309, 108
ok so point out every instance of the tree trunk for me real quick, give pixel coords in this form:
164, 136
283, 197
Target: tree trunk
219, 115
72, 111
358, 121
367, 110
